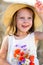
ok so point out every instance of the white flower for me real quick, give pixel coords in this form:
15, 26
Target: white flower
27, 61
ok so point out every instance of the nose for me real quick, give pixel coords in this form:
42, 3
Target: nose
25, 20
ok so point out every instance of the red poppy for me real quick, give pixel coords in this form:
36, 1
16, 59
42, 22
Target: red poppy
20, 58
22, 53
16, 52
31, 63
31, 58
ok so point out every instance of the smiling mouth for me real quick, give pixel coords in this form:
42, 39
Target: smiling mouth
25, 26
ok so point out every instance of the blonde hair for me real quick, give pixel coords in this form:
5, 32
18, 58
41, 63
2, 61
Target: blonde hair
11, 29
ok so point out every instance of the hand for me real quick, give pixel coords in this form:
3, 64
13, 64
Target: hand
39, 8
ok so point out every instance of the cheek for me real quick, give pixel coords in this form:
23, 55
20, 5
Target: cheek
30, 23
19, 24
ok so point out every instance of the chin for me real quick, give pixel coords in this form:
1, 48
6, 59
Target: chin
25, 31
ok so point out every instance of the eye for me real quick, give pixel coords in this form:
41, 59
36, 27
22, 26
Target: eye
21, 18
29, 17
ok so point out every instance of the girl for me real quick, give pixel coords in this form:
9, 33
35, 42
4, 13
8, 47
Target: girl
20, 19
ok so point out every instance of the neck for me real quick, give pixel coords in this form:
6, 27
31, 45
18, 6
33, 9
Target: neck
20, 34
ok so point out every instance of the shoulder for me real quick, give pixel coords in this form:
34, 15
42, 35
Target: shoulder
6, 37
5, 41
36, 37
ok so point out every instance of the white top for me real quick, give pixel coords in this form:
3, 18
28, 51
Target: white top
25, 44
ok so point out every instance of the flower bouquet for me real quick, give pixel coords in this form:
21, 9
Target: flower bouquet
23, 58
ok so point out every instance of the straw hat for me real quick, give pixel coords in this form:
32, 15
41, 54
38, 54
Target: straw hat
13, 8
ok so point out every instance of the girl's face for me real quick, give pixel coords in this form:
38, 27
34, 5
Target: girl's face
24, 20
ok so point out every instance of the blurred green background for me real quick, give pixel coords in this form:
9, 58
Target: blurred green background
3, 6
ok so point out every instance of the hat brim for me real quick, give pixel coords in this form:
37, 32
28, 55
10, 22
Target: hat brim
7, 18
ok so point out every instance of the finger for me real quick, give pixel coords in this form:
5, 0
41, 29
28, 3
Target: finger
38, 3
